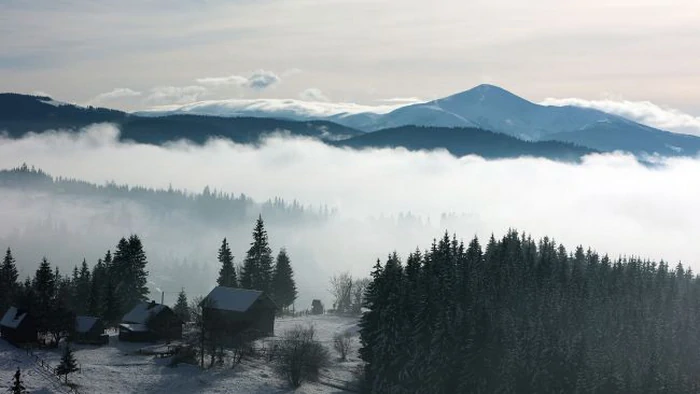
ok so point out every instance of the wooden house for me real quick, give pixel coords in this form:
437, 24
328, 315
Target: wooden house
17, 326
236, 311
150, 322
89, 330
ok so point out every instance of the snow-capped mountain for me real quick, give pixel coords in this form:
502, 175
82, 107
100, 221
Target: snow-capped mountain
493, 108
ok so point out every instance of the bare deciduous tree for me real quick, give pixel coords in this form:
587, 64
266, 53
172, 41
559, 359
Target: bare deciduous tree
341, 289
300, 356
342, 344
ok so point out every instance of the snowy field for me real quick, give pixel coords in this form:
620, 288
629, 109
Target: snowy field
118, 368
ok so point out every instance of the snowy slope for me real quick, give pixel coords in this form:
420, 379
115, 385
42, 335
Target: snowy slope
118, 368
492, 108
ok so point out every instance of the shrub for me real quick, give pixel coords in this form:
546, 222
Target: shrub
300, 356
341, 344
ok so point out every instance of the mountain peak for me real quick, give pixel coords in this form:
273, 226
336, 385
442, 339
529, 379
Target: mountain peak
487, 92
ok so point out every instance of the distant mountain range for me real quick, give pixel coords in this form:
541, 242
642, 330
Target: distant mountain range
486, 120
485, 107
21, 114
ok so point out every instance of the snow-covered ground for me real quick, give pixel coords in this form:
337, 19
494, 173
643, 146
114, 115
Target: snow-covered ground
118, 368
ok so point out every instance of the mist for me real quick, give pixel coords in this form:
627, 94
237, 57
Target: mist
384, 199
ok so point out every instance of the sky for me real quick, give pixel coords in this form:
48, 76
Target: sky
134, 55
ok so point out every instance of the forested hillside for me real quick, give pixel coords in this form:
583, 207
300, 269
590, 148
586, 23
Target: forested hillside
526, 316
465, 141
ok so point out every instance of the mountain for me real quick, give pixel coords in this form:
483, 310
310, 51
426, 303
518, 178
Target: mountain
492, 108
465, 141
485, 107
21, 114
617, 135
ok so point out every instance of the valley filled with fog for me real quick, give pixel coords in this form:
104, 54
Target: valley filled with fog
333, 209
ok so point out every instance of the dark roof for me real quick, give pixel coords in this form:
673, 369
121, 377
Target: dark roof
142, 312
234, 299
13, 317
84, 324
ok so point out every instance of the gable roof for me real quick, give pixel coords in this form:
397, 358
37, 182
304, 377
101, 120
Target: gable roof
13, 317
233, 299
84, 324
142, 312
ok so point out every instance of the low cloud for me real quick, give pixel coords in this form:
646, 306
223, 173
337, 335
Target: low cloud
386, 199
114, 94
258, 80
175, 94
402, 100
644, 112
277, 108
313, 94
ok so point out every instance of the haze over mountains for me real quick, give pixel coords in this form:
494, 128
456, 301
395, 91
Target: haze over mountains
462, 123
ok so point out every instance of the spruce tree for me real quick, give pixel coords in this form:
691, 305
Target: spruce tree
44, 289
17, 385
96, 289
257, 266
82, 289
129, 267
284, 290
111, 308
227, 273
8, 281
68, 363
181, 308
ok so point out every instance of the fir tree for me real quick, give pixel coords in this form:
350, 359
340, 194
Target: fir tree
129, 266
284, 290
9, 286
227, 273
96, 289
257, 266
111, 308
82, 289
68, 363
181, 308
17, 384
44, 289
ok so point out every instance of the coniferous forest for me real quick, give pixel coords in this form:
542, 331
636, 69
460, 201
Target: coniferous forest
525, 316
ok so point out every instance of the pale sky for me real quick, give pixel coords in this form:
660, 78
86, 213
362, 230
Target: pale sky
134, 54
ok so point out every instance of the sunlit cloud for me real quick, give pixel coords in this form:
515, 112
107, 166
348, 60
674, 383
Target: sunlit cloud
116, 93
175, 94
313, 94
259, 80
644, 112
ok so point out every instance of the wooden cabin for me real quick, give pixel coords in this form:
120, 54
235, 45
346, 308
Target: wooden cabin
148, 322
89, 330
17, 326
236, 311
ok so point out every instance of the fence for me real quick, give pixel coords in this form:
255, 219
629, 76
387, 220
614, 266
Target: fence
51, 371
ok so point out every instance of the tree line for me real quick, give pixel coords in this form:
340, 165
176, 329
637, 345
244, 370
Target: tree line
108, 290
526, 316
259, 271
212, 205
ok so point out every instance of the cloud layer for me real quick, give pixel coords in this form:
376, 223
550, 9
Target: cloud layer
286, 108
644, 112
610, 202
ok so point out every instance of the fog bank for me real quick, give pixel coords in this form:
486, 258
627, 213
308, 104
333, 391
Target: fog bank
610, 202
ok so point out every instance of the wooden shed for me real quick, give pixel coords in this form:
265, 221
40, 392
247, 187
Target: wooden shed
240, 310
17, 326
89, 330
150, 322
